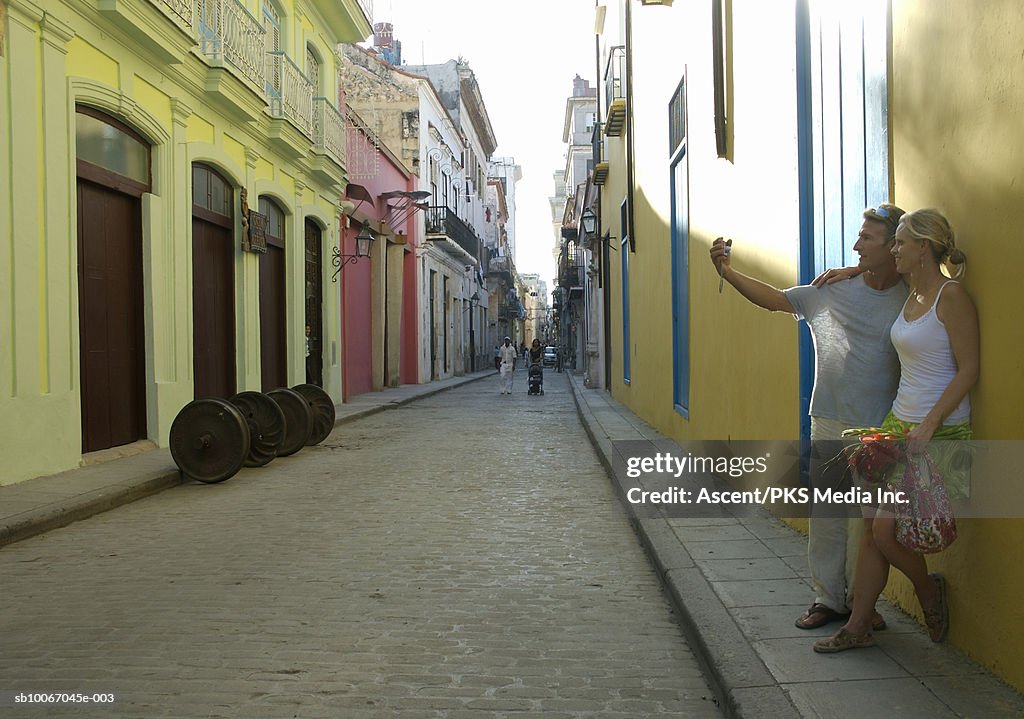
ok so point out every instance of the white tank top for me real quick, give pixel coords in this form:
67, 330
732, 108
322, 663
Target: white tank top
927, 366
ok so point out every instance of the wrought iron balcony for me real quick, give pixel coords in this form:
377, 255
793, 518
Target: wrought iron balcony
289, 92
328, 130
615, 91
229, 34
179, 11
570, 266
443, 223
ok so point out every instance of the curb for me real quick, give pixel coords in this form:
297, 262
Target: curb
66, 511
740, 679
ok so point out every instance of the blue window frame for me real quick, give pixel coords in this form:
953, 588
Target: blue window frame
680, 247
627, 370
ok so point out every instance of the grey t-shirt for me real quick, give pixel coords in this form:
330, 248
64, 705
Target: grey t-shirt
856, 370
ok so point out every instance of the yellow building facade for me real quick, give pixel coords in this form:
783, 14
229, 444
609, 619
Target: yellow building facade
134, 137
749, 151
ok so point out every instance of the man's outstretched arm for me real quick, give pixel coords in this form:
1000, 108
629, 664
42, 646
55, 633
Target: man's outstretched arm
760, 293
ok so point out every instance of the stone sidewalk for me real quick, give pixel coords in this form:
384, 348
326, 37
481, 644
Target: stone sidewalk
44, 503
738, 585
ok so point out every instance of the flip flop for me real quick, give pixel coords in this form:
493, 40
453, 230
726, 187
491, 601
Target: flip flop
818, 615
843, 640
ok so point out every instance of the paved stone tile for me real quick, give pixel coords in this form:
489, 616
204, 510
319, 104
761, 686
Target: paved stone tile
457, 557
740, 569
793, 661
729, 549
904, 698
762, 592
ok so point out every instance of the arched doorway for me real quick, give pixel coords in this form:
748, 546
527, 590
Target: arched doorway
113, 172
314, 297
213, 282
273, 324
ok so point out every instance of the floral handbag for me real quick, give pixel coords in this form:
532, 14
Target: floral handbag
924, 522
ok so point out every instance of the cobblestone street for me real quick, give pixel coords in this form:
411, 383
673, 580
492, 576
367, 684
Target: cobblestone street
458, 557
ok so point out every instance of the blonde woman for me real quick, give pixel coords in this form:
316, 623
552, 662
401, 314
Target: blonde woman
936, 337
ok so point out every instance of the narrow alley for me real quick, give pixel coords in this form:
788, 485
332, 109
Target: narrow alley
458, 557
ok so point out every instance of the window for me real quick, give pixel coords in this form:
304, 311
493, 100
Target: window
313, 70
272, 24
679, 240
627, 371
210, 191
106, 143
721, 45
275, 221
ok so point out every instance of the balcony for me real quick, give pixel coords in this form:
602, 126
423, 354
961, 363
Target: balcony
453, 235
503, 269
229, 35
570, 267
615, 92
601, 167
328, 130
289, 92
179, 11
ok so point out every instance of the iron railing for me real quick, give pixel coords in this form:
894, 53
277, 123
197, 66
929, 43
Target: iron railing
180, 11
289, 92
328, 130
443, 221
570, 266
615, 76
228, 33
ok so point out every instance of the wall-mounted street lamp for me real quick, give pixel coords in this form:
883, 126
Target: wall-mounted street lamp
364, 240
589, 221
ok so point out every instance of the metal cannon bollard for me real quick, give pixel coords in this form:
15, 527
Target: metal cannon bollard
211, 439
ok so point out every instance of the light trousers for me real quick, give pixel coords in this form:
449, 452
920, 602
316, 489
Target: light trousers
832, 542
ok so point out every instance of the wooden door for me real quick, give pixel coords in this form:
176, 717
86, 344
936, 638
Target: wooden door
314, 297
273, 323
112, 336
213, 283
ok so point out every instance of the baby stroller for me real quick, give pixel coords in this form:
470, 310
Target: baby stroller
536, 379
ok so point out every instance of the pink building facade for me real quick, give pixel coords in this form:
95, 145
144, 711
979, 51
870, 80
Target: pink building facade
379, 307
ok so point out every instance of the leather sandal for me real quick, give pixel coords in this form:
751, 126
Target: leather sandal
937, 617
843, 640
818, 615
878, 623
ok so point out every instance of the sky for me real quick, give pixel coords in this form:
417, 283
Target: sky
525, 54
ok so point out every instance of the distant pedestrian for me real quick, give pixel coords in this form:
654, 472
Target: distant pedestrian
508, 365
497, 358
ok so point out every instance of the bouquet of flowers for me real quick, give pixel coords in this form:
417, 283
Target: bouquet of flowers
876, 451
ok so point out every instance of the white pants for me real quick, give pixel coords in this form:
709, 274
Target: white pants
832, 542
506, 377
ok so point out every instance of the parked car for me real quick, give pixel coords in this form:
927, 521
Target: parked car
550, 357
